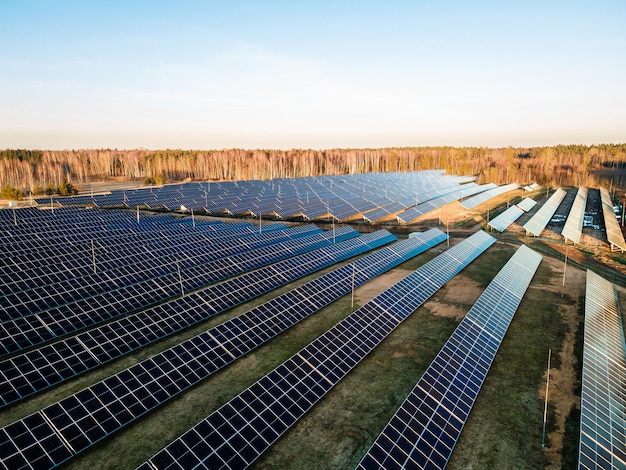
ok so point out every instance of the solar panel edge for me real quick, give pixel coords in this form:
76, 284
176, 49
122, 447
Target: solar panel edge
540, 220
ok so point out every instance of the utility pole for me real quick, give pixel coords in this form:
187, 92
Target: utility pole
564, 269
545, 408
353, 269
180, 278
93, 255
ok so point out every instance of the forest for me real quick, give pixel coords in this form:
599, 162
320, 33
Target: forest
37, 171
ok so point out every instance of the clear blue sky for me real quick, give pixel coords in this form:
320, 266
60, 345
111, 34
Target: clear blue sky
295, 74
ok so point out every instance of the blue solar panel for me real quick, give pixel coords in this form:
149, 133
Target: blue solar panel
603, 401
55, 322
449, 196
475, 201
93, 413
264, 411
70, 286
349, 196
38, 369
506, 218
426, 427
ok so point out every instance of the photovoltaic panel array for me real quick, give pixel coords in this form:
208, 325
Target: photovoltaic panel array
506, 218
343, 197
236, 434
426, 427
37, 369
574, 224
477, 200
90, 415
43, 327
450, 196
540, 220
42, 273
603, 397
613, 231
527, 204
141, 277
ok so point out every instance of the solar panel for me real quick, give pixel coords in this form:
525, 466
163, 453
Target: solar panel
450, 196
539, 221
35, 370
36, 264
237, 433
91, 414
613, 231
527, 204
477, 200
426, 427
42, 327
603, 400
574, 223
70, 286
349, 196
506, 218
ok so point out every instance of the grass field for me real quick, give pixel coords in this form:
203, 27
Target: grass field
504, 429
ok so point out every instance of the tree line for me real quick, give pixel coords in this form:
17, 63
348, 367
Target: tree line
563, 165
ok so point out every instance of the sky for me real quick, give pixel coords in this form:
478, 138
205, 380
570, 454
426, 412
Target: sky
311, 74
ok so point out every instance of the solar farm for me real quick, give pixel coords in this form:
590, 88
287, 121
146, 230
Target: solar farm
294, 324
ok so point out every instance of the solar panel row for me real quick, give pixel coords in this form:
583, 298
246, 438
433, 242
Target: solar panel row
613, 230
574, 224
86, 417
64, 230
539, 221
64, 260
238, 432
383, 212
477, 200
38, 369
603, 400
345, 197
527, 204
42, 327
73, 288
450, 196
502, 221
426, 427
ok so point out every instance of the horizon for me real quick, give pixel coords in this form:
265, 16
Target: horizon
225, 149
328, 75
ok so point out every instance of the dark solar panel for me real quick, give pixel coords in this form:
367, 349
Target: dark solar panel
603, 401
58, 321
95, 412
264, 411
426, 427
38, 369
